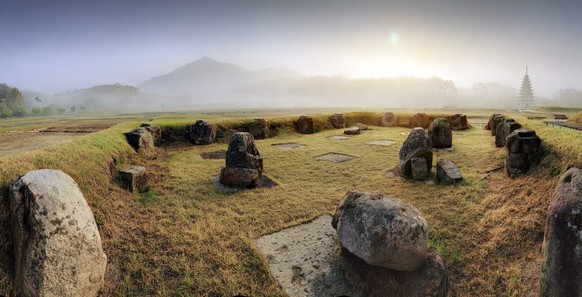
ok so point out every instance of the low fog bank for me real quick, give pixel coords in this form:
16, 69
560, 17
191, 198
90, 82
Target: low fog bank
301, 92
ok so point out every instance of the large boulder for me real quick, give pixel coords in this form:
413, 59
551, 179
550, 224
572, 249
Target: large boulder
495, 123
504, 129
458, 122
259, 128
140, 139
156, 132
447, 172
440, 133
418, 144
202, 132
562, 246
362, 126
523, 151
381, 230
419, 120
57, 247
389, 120
133, 178
244, 164
337, 121
304, 125
490, 122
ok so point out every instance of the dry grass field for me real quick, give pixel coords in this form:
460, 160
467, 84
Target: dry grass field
182, 237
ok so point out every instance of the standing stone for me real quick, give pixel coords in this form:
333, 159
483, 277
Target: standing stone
259, 128
140, 139
337, 121
304, 125
419, 120
381, 230
57, 247
447, 172
202, 132
562, 246
133, 178
388, 120
503, 130
419, 168
458, 122
440, 133
523, 151
495, 123
156, 132
490, 122
417, 144
244, 164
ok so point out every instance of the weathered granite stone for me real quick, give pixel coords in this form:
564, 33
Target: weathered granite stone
133, 178
418, 144
337, 121
440, 133
156, 132
304, 125
504, 129
495, 123
140, 139
523, 151
419, 120
458, 122
381, 230
447, 172
259, 128
490, 122
389, 120
352, 131
243, 162
202, 133
57, 247
362, 126
562, 246
419, 168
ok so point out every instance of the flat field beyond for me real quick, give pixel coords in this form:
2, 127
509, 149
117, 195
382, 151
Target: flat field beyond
183, 237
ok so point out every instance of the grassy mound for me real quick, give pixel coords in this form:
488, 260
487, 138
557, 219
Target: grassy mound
184, 236
576, 118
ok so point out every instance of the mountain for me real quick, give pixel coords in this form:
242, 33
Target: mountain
210, 79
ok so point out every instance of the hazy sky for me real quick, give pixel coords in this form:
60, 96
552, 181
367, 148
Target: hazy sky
53, 46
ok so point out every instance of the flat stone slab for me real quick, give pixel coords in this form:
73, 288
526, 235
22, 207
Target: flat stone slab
335, 157
456, 135
224, 189
288, 146
404, 133
382, 142
339, 137
307, 260
214, 155
368, 130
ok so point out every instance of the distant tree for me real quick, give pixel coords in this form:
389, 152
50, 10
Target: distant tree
20, 112
61, 110
35, 111
73, 108
5, 112
47, 111
12, 98
37, 99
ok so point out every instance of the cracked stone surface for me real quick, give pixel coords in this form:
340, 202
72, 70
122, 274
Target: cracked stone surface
335, 157
288, 146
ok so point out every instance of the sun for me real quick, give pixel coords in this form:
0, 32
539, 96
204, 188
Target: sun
394, 38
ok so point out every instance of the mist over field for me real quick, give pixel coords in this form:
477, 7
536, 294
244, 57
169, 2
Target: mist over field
138, 56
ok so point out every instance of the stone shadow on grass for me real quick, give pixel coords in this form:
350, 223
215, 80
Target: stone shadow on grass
217, 155
265, 182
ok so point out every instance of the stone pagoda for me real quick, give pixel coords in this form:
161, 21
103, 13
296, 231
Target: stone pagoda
526, 97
